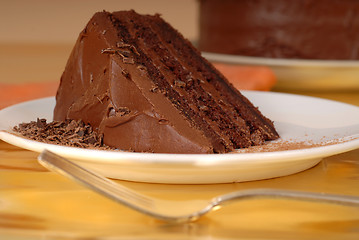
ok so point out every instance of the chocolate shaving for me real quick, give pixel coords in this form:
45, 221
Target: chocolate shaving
154, 89
123, 111
134, 50
41, 123
163, 121
108, 51
68, 133
121, 44
203, 108
179, 83
128, 60
142, 68
124, 54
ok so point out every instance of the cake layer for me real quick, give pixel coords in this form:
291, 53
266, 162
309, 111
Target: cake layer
138, 82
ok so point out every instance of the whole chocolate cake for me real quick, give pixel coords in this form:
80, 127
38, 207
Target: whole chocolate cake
145, 88
307, 29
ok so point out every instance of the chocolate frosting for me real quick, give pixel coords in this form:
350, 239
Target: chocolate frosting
105, 87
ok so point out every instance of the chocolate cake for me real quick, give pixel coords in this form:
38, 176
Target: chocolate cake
144, 88
308, 29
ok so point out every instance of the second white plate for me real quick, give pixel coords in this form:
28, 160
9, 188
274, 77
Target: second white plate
301, 73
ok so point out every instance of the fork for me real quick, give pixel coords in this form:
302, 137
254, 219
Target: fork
172, 210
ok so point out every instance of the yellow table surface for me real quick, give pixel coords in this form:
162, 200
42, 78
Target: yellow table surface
38, 204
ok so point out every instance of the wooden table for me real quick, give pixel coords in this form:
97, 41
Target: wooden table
38, 204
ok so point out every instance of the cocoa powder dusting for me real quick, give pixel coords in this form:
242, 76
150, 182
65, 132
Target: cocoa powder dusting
285, 145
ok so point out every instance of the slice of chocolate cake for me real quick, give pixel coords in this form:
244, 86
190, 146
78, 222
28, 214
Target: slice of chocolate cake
138, 82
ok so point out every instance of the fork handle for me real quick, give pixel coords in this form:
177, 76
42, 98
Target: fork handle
289, 194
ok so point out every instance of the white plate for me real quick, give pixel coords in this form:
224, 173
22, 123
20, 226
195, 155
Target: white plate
301, 73
297, 118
